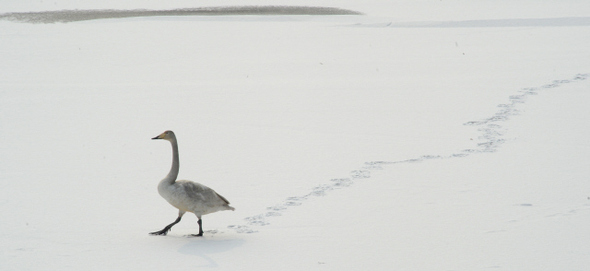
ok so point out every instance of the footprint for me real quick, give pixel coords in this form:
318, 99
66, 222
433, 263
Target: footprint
273, 214
360, 174
342, 182
241, 229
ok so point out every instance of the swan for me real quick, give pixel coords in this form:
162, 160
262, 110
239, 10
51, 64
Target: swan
187, 196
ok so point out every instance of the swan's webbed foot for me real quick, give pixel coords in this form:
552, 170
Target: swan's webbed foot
166, 229
197, 235
162, 232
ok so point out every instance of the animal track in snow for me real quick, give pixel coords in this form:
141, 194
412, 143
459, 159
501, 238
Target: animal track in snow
490, 128
491, 133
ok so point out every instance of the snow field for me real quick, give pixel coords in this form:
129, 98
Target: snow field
281, 115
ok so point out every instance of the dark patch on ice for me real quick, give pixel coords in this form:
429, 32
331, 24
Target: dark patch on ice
66, 16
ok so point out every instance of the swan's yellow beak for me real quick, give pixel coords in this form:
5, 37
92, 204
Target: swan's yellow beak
161, 136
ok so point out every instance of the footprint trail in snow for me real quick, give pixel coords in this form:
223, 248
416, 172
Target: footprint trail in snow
491, 133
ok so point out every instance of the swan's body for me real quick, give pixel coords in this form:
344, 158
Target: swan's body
187, 196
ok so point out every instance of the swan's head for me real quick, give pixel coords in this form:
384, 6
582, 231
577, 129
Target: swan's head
168, 135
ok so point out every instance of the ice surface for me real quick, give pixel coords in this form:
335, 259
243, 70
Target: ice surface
423, 135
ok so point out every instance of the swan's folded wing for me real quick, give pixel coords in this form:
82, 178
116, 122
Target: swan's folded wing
196, 191
222, 198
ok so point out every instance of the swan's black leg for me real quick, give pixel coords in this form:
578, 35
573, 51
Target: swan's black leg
167, 228
200, 222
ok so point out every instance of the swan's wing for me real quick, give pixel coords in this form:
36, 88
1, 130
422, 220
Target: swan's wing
195, 191
202, 193
222, 198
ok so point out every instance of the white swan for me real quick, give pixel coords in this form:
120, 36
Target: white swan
187, 196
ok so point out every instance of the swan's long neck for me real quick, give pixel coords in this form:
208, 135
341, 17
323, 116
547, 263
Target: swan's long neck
171, 177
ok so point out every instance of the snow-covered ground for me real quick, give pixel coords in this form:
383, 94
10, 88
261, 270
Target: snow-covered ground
422, 135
